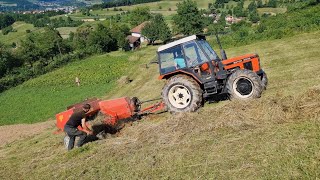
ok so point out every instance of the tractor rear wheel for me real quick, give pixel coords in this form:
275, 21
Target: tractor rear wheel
182, 94
244, 84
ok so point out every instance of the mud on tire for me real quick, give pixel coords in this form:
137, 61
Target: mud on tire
244, 84
182, 94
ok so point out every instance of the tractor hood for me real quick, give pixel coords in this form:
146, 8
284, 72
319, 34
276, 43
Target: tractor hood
248, 61
239, 58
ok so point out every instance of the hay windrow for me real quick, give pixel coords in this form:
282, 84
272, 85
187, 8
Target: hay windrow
233, 116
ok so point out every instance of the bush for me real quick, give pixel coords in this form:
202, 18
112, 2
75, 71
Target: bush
6, 30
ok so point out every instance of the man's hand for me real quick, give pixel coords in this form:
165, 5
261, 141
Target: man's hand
89, 133
85, 127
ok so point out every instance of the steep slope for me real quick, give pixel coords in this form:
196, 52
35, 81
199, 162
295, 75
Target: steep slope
274, 137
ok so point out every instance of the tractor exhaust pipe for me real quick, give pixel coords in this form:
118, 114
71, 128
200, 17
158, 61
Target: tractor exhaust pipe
222, 51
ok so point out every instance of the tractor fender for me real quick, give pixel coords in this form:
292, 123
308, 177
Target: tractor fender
169, 75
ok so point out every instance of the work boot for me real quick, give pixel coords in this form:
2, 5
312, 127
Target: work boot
101, 135
66, 141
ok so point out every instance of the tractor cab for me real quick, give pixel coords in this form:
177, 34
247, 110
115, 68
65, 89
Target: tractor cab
192, 54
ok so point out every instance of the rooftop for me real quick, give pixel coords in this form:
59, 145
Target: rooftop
139, 28
174, 43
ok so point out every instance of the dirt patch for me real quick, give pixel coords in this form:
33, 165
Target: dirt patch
10, 133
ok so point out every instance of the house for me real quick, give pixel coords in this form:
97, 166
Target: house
136, 37
231, 19
134, 42
136, 32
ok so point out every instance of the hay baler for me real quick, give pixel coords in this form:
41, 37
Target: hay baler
113, 111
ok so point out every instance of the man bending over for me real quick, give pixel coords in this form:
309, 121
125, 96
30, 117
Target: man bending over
71, 127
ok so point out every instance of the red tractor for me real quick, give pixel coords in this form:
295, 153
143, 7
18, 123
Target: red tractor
195, 72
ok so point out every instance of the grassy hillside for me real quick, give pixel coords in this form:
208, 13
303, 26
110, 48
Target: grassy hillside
21, 28
40, 98
274, 137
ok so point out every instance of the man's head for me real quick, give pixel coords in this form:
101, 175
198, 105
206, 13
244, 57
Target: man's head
179, 54
86, 107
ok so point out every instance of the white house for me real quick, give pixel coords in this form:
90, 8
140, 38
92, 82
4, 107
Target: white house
136, 32
136, 38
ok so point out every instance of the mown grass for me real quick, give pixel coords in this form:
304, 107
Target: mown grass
274, 137
40, 98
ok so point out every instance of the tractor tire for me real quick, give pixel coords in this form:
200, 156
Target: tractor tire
264, 81
182, 94
244, 84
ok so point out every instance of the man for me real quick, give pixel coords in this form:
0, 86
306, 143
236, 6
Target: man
71, 127
179, 60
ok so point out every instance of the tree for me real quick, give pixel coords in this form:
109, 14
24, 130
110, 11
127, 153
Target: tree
157, 29
254, 16
239, 11
81, 36
188, 19
8, 60
272, 3
259, 4
219, 26
120, 31
6, 20
101, 40
140, 15
6, 30
252, 6
42, 46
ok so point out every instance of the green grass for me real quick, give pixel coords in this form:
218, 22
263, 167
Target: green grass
274, 137
40, 98
272, 10
164, 10
16, 37
65, 31
154, 8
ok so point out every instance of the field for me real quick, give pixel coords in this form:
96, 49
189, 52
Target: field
40, 98
166, 8
65, 31
272, 10
274, 137
21, 28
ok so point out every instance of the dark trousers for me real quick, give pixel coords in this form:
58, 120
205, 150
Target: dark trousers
73, 133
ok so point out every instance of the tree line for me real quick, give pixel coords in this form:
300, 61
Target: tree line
39, 20
117, 3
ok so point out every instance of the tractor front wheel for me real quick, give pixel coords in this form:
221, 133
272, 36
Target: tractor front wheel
182, 94
244, 84
264, 81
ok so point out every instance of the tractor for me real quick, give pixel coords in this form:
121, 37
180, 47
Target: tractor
194, 72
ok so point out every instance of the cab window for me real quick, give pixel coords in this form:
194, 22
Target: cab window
171, 59
209, 51
193, 54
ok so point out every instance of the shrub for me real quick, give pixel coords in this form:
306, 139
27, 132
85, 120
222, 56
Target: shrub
6, 30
